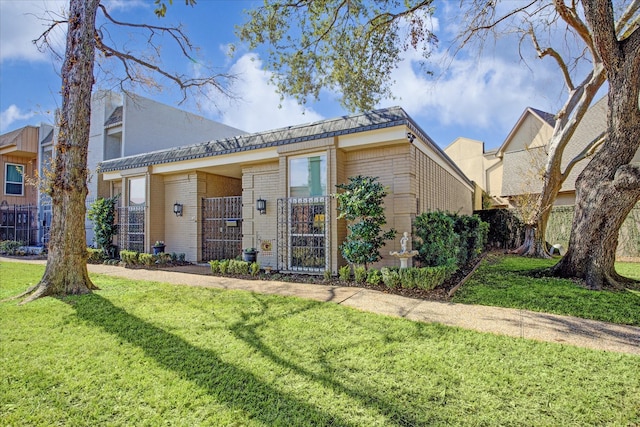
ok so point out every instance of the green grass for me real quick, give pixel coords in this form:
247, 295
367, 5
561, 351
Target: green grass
142, 353
507, 281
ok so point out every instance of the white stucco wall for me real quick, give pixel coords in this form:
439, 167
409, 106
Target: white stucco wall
150, 126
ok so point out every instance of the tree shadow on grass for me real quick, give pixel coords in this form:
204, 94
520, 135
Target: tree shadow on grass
247, 330
231, 385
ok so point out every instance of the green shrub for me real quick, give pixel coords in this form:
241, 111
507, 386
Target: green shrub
391, 277
129, 257
426, 278
224, 266
146, 259
360, 274
361, 203
473, 234
238, 267
174, 257
95, 256
254, 269
182, 257
506, 230
344, 273
10, 247
435, 239
102, 213
327, 275
215, 266
163, 258
374, 277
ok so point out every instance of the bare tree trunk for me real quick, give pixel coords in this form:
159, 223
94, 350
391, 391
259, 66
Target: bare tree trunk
66, 271
609, 187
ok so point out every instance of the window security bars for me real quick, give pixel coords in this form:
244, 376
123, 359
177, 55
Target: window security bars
303, 234
131, 228
19, 223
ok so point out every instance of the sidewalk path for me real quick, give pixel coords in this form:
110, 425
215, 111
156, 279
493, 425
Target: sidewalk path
505, 321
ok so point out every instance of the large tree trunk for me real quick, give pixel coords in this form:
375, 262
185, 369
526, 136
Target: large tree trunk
66, 271
609, 186
568, 119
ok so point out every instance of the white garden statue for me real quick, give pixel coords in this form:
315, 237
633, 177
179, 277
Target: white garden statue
404, 255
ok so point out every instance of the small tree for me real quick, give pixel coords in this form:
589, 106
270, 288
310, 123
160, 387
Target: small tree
103, 215
360, 203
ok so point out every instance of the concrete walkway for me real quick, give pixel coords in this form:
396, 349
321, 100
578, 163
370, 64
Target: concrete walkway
505, 321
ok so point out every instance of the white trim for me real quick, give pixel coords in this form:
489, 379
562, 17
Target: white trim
6, 179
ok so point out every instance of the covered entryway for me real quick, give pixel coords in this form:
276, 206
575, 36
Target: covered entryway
221, 227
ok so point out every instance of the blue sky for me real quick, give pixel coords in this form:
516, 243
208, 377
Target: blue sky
476, 96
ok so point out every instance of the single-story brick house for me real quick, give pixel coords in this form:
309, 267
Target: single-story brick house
203, 199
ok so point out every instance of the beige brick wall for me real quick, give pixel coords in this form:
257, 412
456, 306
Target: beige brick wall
260, 231
184, 234
156, 211
392, 166
181, 233
338, 226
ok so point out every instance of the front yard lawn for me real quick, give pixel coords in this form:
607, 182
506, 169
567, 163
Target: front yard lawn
510, 281
143, 353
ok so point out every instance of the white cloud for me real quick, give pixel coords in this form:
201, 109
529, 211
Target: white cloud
485, 92
22, 21
11, 115
258, 107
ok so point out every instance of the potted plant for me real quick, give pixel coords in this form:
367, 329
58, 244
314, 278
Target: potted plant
249, 255
158, 247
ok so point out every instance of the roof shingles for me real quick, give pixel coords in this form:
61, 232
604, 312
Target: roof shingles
377, 119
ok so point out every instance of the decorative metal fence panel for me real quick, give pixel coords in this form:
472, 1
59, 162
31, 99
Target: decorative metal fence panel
19, 223
304, 243
221, 227
131, 228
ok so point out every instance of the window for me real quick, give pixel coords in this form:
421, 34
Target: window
308, 176
14, 180
137, 193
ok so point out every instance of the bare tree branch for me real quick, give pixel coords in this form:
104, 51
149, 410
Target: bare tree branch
588, 151
555, 55
571, 17
176, 33
624, 27
183, 82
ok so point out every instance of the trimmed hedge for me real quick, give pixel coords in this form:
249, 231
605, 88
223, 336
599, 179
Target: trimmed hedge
95, 256
425, 278
442, 238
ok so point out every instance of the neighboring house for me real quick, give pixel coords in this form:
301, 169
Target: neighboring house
203, 199
482, 167
126, 124
19, 198
522, 158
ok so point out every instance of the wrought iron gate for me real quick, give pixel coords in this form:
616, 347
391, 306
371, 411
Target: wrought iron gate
221, 227
303, 234
131, 228
19, 223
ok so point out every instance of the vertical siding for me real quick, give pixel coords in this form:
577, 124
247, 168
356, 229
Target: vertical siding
29, 192
437, 189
